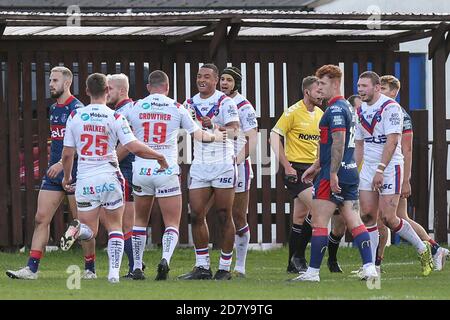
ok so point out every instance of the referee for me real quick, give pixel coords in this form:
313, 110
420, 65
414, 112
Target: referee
299, 128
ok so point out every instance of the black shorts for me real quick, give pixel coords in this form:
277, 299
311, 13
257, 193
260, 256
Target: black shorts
295, 188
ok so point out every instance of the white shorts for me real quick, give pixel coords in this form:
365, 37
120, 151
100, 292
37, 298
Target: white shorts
163, 184
392, 181
245, 175
221, 176
104, 189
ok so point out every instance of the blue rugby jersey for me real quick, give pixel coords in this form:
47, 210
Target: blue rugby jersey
59, 113
338, 117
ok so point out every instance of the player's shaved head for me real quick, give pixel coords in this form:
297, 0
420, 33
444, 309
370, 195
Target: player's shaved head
97, 85
157, 79
213, 67
120, 80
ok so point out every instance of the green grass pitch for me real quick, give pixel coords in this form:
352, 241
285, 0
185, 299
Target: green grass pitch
266, 279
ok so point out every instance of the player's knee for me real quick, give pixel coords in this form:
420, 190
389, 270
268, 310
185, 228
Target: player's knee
390, 222
367, 219
41, 218
197, 219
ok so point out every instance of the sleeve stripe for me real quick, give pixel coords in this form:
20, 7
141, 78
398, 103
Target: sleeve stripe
338, 129
278, 131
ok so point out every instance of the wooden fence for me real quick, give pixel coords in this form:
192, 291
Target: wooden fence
273, 73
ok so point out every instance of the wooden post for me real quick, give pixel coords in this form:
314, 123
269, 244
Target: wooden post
437, 52
419, 176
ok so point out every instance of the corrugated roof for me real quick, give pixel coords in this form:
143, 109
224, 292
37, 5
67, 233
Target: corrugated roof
254, 23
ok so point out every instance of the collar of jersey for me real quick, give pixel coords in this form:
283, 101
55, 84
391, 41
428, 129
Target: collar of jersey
333, 100
123, 102
68, 101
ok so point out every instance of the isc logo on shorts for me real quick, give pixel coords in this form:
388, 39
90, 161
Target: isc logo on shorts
240, 184
225, 180
387, 186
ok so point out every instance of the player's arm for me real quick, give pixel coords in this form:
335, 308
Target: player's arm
337, 153
206, 137
144, 151
250, 146
67, 157
122, 152
407, 147
359, 152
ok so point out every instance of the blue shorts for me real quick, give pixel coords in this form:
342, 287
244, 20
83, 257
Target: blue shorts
128, 188
322, 191
56, 183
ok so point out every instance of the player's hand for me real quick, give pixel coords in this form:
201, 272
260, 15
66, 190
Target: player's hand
377, 182
334, 183
220, 136
309, 174
206, 122
66, 184
54, 170
163, 165
291, 174
406, 189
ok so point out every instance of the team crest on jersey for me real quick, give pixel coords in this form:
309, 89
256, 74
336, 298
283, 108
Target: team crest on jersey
64, 117
85, 117
378, 117
216, 111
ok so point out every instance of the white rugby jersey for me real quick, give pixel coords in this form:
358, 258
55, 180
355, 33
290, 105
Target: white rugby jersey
94, 131
222, 110
374, 123
247, 120
156, 121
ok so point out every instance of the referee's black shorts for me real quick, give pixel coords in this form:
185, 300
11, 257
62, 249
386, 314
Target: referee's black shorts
295, 188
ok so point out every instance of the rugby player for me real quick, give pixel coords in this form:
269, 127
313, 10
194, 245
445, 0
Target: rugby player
92, 133
337, 182
378, 143
390, 87
213, 170
230, 84
52, 193
118, 100
156, 120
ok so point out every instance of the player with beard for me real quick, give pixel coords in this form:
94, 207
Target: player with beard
52, 193
378, 143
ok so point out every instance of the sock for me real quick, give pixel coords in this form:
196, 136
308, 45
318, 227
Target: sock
225, 261
169, 242
89, 263
434, 246
319, 242
138, 243
241, 240
294, 239
405, 231
374, 239
333, 246
202, 258
362, 240
85, 233
305, 238
115, 253
127, 237
34, 259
